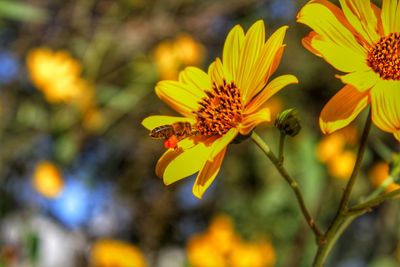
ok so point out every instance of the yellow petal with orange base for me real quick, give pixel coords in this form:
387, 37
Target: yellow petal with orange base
385, 106
340, 56
271, 89
362, 79
250, 121
252, 46
195, 80
266, 63
390, 16
362, 17
342, 109
232, 48
178, 97
218, 73
328, 20
207, 174
184, 164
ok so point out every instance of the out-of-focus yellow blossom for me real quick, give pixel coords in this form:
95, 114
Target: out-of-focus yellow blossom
329, 147
202, 253
114, 253
221, 232
378, 174
57, 75
171, 56
254, 255
341, 165
335, 151
47, 179
220, 246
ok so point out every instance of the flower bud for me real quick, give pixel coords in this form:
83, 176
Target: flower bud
288, 122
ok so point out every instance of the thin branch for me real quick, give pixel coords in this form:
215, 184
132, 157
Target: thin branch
341, 219
292, 183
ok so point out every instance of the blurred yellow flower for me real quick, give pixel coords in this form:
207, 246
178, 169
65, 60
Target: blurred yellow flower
220, 246
378, 173
172, 56
227, 101
113, 253
334, 151
57, 75
255, 255
329, 147
361, 40
47, 179
341, 165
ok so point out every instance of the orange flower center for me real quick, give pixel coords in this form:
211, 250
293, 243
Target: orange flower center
220, 111
384, 57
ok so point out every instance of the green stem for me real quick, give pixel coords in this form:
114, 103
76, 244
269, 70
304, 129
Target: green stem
372, 203
292, 183
281, 147
342, 219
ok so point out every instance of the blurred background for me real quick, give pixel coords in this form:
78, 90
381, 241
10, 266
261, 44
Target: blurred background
77, 180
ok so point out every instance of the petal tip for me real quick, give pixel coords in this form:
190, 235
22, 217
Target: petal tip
197, 192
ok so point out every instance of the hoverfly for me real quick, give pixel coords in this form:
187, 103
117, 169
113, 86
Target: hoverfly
173, 133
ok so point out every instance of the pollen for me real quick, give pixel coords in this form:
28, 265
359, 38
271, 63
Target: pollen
384, 57
220, 110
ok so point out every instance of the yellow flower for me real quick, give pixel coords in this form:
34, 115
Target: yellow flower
253, 254
329, 147
220, 246
201, 252
363, 41
335, 151
220, 104
47, 179
171, 56
379, 173
113, 253
56, 74
341, 165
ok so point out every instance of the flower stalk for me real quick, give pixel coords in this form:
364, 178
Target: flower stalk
343, 217
292, 183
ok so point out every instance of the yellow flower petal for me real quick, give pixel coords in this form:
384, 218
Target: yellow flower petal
342, 109
152, 122
222, 142
218, 73
207, 174
390, 16
266, 64
252, 45
196, 81
252, 120
340, 56
306, 42
187, 163
171, 154
397, 135
271, 89
362, 79
178, 97
362, 17
385, 105
328, 20
232, 48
